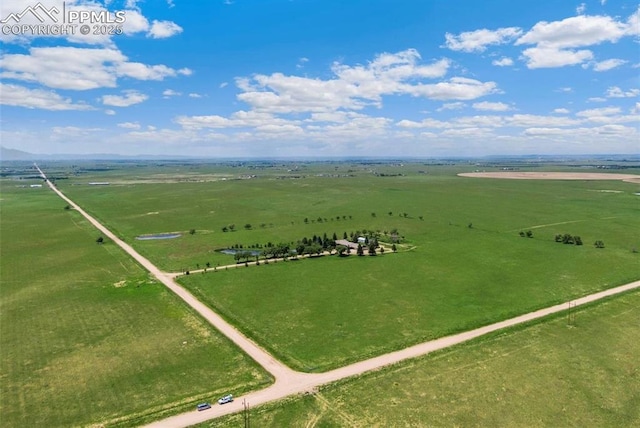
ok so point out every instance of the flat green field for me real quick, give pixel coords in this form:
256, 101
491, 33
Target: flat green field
86, 337
545, 374
447, 277
276, 210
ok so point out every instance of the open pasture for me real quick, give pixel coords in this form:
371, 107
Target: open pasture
463, 263
276, 209
87, 337
543, 374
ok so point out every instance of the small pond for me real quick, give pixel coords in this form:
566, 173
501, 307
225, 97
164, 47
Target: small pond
232, 251
158, 236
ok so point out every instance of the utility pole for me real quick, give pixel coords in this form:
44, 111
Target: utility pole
245, 413
571, 317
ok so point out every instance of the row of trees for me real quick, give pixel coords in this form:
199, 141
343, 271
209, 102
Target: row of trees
575, 240
327, 242
325, 220
568, 239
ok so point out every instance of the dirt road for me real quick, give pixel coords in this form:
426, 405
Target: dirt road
288, 381
516, 175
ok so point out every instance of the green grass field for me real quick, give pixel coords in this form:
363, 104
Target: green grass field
87, 337
544, 374
323, 313
276, 209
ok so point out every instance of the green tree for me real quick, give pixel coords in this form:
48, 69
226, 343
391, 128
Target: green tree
100, 240
342, 249
247, 226
599, 244
372, 249
394, 248
192, 231
360, 250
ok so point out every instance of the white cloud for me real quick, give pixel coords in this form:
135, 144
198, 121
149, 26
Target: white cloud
168, 93
194, 95
561, 111
491, 106
532, 120
163, 29
616, 92
301, 62
130, 98
354, 87
581, 8
467, 132
239, 119
572, 133
633, 23
135, 22
452, 106
574, 32
502, 62
223, 85
456, 88
551, 57
608, 64
554, 41
565, 89
129, 125
110, 112
477, 41
598, 112
79, 68
596, 100
19, 96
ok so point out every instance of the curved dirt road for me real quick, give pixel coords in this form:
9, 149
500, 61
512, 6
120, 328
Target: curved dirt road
289, 382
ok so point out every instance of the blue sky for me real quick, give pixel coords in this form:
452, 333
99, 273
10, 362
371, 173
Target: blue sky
250, 78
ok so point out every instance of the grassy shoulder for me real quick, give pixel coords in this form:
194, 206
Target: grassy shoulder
542, 374
87, 337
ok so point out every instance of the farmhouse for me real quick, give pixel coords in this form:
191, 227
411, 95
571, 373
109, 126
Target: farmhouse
346, 243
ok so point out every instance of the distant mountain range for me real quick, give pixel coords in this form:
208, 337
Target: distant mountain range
7, 154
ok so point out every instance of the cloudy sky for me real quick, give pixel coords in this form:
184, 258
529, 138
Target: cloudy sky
323, 78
